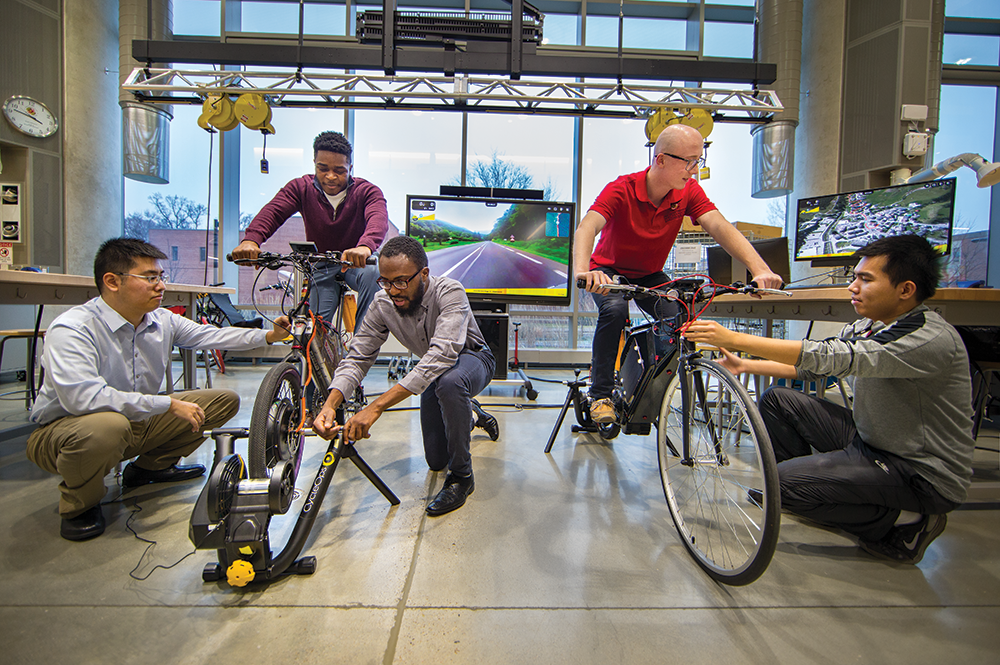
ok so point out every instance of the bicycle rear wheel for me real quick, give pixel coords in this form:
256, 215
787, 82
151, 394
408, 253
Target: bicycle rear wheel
729, 530
274, 421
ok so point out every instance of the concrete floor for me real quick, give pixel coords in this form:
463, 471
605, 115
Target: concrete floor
564, 558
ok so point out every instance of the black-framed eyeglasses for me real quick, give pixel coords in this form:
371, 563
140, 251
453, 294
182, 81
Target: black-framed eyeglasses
688, 163
152, 280
400, 284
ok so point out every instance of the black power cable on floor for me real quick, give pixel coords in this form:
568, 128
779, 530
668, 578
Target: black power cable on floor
135, 510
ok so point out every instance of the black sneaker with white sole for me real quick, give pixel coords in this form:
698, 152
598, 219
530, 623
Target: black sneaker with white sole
907, 543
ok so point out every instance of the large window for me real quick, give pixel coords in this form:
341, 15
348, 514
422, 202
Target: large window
651, 33
201, 18
163, 214
968, 120
526, 152
406, 152
283, 18
968, 123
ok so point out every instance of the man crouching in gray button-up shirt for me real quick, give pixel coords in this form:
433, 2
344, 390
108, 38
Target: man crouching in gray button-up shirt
432, 318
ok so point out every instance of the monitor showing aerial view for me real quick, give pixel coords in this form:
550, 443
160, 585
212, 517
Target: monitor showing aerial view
501, 250
830, 227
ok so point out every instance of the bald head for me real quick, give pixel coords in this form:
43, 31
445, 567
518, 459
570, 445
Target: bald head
679, 139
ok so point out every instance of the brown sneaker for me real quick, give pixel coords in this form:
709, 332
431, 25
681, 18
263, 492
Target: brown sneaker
602, 411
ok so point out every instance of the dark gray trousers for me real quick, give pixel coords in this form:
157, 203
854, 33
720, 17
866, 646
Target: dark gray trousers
446, 416
847, 483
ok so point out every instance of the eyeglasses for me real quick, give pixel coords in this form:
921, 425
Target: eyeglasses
400, 284
688, 163
152, 280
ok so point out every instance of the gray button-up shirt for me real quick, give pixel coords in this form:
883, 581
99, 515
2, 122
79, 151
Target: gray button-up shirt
95, 360
441, 328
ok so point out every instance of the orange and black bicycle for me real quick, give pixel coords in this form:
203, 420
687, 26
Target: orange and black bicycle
234, 511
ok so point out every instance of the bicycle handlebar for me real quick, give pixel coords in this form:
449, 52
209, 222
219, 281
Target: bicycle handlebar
266, 258
736, 287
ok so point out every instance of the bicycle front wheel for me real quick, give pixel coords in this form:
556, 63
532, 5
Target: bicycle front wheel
722, 488
277, 410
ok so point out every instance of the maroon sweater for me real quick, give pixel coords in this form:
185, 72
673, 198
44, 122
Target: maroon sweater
361, 219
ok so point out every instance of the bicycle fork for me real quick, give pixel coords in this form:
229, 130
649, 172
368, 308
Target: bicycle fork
693, 387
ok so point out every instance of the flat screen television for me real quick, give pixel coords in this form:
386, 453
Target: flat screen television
501, 250
829, 229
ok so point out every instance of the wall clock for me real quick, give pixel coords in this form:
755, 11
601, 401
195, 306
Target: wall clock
30, 116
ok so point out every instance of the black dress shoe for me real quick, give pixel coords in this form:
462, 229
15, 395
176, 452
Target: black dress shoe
134, 476
486, 421
453, 495
88, 524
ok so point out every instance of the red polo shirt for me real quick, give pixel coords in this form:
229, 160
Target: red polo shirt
638, 236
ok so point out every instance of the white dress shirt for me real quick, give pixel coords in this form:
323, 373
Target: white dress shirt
95, 360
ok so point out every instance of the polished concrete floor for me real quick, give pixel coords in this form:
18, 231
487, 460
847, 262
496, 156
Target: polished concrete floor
563, 558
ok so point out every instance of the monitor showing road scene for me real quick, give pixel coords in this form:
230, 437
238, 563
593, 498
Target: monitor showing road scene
501, 250
834, 227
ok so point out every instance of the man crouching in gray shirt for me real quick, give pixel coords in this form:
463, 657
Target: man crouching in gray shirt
432, 318
890, 471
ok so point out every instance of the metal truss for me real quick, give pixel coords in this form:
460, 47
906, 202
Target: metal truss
440, 93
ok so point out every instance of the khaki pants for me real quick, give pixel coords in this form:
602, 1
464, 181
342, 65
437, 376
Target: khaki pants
82, 449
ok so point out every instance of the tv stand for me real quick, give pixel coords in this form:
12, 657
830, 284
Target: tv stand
494, 322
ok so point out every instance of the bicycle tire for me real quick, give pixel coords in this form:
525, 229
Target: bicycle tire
729, 534
609, 431
274, 419
581, 410
220, 360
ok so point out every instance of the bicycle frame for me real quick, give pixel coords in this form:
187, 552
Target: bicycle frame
316, 347
653, 354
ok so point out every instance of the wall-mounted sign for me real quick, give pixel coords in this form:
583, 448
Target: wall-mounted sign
10, 213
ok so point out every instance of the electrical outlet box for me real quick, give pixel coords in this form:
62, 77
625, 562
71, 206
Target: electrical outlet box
915, 112
915, 144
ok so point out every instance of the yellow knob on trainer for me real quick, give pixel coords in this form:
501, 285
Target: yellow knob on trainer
240, 573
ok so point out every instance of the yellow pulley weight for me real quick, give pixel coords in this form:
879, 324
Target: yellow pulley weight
253, 111
217, 111
657, 122
700, 119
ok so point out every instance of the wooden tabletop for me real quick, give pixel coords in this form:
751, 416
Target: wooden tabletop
39, 288
957, 306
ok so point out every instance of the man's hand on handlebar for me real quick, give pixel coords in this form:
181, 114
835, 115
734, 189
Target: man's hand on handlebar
357, 257
768, 280
592, 281
247, 249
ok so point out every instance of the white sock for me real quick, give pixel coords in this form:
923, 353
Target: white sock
908, 517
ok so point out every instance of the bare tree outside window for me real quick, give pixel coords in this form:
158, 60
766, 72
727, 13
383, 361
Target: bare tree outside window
168, 212
501, 173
